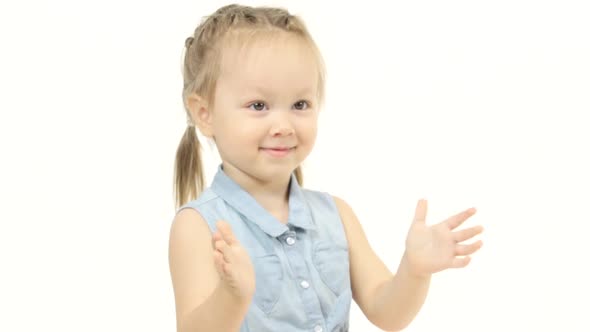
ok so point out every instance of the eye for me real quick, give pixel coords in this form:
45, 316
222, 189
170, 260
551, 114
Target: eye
257, 106
301, 105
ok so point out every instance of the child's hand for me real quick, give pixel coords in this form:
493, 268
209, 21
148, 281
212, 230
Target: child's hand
431, 249
233, 263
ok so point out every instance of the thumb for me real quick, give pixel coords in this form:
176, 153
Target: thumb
421, 208
226, 232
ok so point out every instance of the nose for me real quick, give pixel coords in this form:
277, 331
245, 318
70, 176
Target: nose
282, 124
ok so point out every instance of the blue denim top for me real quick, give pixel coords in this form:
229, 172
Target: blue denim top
302, 268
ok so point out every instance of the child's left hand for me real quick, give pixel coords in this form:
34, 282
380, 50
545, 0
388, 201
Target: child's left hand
431, 249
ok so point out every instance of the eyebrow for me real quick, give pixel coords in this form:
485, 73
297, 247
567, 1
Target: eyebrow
300, 92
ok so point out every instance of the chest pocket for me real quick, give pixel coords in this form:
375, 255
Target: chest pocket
269, 279
331, 262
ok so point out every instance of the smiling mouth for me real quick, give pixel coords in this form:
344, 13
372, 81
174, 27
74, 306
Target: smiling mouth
278, 152
279, 149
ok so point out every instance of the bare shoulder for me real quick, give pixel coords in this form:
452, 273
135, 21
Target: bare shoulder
352, 226
341, 204
190, 256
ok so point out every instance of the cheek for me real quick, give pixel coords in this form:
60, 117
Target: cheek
310, 134
239, 135
308, 130
228, 125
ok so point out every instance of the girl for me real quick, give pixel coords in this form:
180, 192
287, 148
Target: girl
255, 251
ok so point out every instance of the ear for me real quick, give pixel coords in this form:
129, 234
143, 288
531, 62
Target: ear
200, 114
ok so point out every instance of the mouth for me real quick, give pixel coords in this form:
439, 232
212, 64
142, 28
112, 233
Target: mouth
278, 151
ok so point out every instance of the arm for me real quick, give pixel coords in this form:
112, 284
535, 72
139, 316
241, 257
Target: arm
401, 298
203, 303
389, 301
220, 312
392, 301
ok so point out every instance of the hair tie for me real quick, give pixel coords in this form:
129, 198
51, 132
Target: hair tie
188, 42
189, 122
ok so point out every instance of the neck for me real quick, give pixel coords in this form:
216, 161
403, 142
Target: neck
273, 194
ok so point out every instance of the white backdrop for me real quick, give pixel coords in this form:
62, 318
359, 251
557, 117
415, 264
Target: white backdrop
465, 103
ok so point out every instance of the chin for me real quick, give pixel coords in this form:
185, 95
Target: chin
273, 173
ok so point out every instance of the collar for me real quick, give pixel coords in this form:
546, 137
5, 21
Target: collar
244, 203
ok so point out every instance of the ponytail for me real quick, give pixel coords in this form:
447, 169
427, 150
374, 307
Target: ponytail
299, 176
188, 168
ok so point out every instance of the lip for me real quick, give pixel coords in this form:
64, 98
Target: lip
278, 147
281, 151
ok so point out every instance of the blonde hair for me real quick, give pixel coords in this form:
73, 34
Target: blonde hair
200, 71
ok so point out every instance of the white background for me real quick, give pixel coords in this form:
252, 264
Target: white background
464, 103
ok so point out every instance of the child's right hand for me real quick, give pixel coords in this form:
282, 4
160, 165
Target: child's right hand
233, 263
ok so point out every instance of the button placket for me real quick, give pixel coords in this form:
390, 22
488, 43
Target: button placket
292, 246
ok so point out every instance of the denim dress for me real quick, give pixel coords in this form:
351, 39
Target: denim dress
302, 268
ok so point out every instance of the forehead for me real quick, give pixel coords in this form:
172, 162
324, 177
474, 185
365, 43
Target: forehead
272, 62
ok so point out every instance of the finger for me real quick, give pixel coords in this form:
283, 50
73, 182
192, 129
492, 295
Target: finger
421, 209
219, 262
459, 262
215, 237
459, 218
467, 249
225, 250
226, 232
467, 233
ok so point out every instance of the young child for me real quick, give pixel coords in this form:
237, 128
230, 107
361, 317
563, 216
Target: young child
255, 251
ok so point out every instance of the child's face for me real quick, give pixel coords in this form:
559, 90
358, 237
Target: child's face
265, 98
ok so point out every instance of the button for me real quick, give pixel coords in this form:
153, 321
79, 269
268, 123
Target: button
290, 241
318, 328
305, 284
